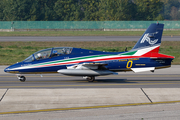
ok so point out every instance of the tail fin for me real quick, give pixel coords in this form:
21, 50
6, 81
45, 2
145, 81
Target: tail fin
151, 37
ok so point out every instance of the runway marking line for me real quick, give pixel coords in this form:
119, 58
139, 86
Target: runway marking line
88, 107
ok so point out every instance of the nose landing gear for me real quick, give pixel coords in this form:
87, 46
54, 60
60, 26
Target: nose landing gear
21, 78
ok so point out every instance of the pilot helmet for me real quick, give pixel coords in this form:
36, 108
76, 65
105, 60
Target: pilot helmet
39, 55
55, 51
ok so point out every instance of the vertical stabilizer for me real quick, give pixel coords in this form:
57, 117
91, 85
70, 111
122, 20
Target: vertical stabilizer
151, 37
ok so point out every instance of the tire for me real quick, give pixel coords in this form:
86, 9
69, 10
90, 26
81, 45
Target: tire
91, 78
22, 78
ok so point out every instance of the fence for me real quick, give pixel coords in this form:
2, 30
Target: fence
85, 24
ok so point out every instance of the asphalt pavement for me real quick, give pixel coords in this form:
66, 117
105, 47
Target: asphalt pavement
84, 38
161, 78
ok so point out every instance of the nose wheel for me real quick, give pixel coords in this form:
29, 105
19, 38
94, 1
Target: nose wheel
21, 78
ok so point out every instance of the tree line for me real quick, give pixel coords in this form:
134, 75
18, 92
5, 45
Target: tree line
89, 10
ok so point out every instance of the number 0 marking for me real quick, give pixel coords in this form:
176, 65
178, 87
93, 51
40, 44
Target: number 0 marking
129, 64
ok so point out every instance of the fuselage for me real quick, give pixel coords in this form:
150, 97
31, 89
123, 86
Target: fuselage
116, 61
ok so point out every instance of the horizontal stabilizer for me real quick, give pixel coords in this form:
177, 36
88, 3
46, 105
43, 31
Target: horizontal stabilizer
142, 69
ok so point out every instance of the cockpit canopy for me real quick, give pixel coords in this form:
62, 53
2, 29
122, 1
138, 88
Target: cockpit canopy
49, 53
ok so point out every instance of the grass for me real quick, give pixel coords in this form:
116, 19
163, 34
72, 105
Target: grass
12, 52
84, 33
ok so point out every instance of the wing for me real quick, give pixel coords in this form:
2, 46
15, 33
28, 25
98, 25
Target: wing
88, 65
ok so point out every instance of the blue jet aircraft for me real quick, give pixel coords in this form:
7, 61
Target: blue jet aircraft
144, 56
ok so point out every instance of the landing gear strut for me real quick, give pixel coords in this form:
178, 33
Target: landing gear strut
89, 78
21, 78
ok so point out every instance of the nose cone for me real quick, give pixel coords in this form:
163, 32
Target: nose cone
6, 69
11, 69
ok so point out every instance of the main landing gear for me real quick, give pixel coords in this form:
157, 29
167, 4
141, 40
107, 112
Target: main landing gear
89, 78
21, 78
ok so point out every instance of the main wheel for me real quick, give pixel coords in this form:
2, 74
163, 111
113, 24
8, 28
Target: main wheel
22, 78
90, 78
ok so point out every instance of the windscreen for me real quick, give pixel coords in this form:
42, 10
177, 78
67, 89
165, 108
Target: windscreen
29, 59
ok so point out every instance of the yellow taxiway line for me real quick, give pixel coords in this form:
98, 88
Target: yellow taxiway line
88, 107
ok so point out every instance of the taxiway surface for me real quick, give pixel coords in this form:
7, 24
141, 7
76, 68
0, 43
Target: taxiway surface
125, 96
145, 112
84, 38
119, 81
163, 78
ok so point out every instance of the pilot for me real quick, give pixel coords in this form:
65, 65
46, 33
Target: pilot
39, 56
55, 53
